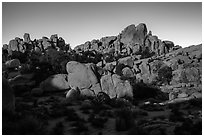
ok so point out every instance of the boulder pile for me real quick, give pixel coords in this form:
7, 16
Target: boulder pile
112, 65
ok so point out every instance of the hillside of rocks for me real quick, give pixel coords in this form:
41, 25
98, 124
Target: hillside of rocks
132, 83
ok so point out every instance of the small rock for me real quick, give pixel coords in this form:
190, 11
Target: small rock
73, 94
36, 91
182, 95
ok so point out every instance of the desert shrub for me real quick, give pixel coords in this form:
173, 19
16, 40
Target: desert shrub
58, 129
79, 127
100, 102
71, 115
25, 69
165, 74
106, 113
97, 121
176, 115
108, 57
86, 111
120, 103
124, 119
151, 107
146, 53
136, 130
28, 125
162, 117
144, 91
101, 98
139, 113
189, 128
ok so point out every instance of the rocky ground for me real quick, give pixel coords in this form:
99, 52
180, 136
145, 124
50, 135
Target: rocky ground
133, 83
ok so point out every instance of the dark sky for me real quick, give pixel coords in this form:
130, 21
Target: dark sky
80, 22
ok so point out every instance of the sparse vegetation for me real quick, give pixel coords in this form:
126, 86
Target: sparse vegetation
58, 129
124, 119
28, 125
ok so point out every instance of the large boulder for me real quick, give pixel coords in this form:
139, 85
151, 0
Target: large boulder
128, 61
82, 76
73, 94
55, 83
115, 87
8, 98
108, 86
132, 34
123, 88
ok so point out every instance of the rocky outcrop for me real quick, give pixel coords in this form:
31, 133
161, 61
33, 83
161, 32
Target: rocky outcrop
132, 40
133, 54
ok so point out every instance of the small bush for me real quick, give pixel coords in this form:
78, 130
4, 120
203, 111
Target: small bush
144, 91
165, 74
